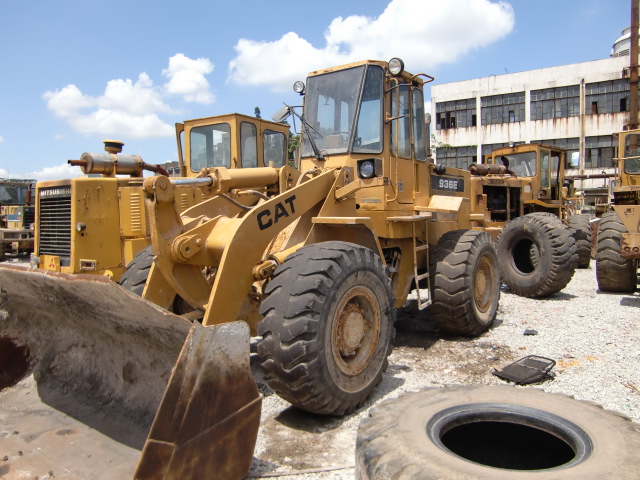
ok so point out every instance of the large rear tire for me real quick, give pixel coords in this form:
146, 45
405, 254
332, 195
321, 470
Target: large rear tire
580, 226
614, 273
495, 433
135, 275
465, 283
537, 255
328, 327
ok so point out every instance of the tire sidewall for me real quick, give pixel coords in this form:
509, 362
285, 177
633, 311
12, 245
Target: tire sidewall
372, 281
486, 251
509, 240
615, 440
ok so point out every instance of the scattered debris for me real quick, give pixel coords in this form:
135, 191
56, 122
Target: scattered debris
530, 331
530, 369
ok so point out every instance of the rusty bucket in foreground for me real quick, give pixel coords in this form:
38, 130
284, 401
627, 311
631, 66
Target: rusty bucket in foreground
89, 342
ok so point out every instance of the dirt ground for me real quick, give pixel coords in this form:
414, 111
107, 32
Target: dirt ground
40, 442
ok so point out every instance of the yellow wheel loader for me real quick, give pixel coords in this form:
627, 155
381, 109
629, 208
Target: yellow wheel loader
313, 261
521, 197
618, 245
97, 224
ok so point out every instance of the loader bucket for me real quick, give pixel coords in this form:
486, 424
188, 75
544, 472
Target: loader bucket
87, 341
207, 423
90, 342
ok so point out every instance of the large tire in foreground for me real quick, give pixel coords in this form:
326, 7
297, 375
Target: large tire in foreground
537, 255
614, 273
495, 433
580, 226
465, 283
328, 327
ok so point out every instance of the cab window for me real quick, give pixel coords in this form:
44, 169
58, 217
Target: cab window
210, 146
248, 145
274, 148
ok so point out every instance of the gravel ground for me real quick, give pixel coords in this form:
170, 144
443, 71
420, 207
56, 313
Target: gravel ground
592, 336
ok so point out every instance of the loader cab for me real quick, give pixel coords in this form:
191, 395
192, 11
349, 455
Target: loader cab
542, 164
628, 161
230, 141
368, 116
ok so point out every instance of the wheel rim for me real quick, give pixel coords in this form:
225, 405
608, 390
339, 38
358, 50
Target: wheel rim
484, 285
355, 330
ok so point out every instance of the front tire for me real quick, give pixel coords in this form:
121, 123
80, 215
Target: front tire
465, 283
614, 273
482, 432
537, 255
580, 226
328, 327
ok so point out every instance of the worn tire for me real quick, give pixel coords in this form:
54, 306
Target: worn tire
537, 255
481, 432
580, 226
465, 283
135, 275
614, 273
328, 327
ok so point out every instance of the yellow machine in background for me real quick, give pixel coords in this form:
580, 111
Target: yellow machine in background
96, 224
16, 216
618, 248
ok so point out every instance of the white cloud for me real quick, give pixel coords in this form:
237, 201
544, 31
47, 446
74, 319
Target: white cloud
187, 78
58, 172
132, 109
1, 139
424, 33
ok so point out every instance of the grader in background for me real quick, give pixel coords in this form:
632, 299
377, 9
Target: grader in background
520, 195
314, 260
618, 245
97, 224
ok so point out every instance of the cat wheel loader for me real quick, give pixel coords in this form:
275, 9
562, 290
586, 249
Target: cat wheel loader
521, 197
618, 244
97, 224
313, 261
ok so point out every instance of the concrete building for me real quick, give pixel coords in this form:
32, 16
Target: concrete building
577, 107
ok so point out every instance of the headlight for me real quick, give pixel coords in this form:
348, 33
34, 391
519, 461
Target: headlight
298, 87
369, 168
396, 66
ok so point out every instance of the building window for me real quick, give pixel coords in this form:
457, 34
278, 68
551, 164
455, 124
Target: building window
508, 108
457, 157
456, 114
559, 102
608, 97
599, 152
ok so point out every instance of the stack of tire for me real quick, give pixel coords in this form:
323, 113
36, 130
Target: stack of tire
614, 273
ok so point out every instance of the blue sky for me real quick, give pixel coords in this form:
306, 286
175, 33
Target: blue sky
77, 72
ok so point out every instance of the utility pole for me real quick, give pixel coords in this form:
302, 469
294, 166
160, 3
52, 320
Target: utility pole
633, 68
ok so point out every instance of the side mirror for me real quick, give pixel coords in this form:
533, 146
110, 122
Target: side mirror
282, 114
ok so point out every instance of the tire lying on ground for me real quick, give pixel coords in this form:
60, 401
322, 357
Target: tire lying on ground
580, 226
465, 283
614, 273
328, 327
495, 433
537, 255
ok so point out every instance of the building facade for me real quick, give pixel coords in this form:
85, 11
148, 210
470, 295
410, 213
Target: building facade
577, 107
